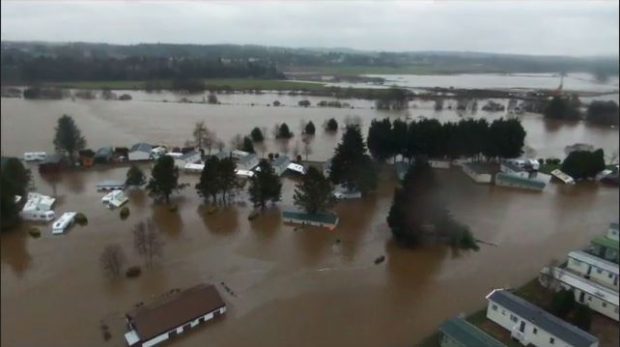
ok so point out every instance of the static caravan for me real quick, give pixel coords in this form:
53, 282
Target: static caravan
173, 314
559, 174
594, 268
114, 199
140, 151
477, 172
280, 164
109, 185
244, 173
597, 297
511, 180
193, 168
38, 208
35, 156
296, 168
37, 216
187, 158
531, 325
248, 162
63, 223
606, 248
343, 193
158, 152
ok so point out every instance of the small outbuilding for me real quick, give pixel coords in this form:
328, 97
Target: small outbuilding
321, 219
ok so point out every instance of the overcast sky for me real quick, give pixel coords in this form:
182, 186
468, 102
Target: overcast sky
541, 27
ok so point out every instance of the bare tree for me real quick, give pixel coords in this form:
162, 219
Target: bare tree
112, 260
200, 133
220, 145
236, 142
307, 146
296, 149
147, 242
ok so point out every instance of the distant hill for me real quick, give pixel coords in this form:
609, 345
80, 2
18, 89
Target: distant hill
33, 61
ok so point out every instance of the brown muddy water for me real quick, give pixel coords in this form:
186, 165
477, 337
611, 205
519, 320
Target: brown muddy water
292, 286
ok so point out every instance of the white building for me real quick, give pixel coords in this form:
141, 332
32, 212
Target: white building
35, 156
63, 223
248, 162
187, 158
38, 208
194, 168
594, 268
173, 314
114, 199
140, 151
597, 297
341, 192
280, 164
477, 172
529, 324
559, 174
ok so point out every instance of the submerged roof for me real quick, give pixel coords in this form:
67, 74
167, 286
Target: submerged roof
321, 217
532, 182
248, 158
467, 334
189, 155
174, 310
281, 160
542, 319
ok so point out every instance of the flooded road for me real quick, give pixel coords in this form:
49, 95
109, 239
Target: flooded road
292, 286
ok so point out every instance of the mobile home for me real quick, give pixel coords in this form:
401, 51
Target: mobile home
594, 268
326, 220
458, 332
597, 297
531, 325
35, 156
116, 198
63, 223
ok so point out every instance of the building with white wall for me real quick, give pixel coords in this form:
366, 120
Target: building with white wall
594, 268
173, 314
531, 325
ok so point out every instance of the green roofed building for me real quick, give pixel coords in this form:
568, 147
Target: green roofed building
327, 220
458, 332
516, 181
606, 248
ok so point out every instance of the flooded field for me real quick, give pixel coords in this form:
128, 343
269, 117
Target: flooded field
292, 286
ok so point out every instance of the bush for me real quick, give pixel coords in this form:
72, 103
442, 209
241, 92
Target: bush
331, 125
133, 272
584, 164
34, 232
583, 317
124, 212
81, 219
563, 303
253, 216
173, 208
276, 103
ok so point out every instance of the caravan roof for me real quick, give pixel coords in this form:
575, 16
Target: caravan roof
63, 222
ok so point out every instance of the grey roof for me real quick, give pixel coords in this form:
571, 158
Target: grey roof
546, 321
189, 155
467, 334
222, 155
110, 183
281, 160
520, 180
141, 147
104, 151
247, 158
52, 159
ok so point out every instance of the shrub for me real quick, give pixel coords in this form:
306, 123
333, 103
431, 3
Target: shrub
173, 208
34, 232
124, 212
583, 317
253, 216
276, 103
133, 272
563, 303
81, 219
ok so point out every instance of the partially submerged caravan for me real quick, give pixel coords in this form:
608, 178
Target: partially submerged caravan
63, 223
35, 156
114, 199
38, 208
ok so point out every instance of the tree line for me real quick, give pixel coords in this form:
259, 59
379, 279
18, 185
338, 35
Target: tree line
569, 108
471, 138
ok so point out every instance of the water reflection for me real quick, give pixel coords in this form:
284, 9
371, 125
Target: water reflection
168, 221
223, 220
14, 251
267, 224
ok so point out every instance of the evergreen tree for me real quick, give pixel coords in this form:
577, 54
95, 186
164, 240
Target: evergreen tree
68, 139
309, 129
583, 317
331, 125
563, 303
248, 145
314, 193
226, 176
584, 164
17, 177
257, 135
506, 139
164, 178
351, 166
380, 139
399, 136
9, 211
284, 132
265, 185
209, 185
135, 176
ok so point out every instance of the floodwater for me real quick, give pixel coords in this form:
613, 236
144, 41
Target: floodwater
573, 81
292, 286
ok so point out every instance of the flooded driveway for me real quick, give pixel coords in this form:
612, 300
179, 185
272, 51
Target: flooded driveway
292, 286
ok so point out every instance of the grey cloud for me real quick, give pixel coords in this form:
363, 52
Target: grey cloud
558, 27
